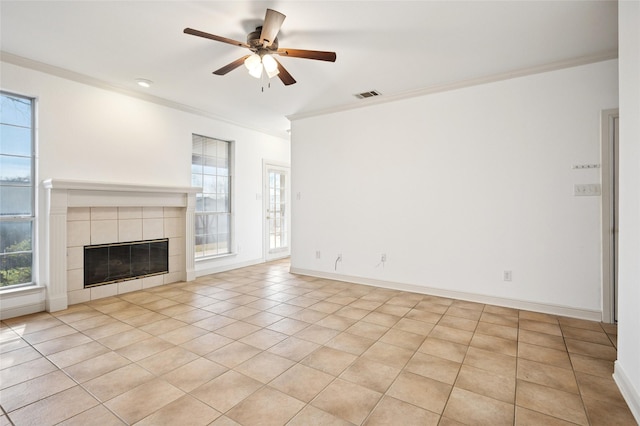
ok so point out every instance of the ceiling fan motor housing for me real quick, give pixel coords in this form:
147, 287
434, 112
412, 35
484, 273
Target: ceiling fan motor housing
253, 40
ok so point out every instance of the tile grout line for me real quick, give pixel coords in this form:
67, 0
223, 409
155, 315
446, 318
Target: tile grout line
341, 331
461, 362
100, 402
57, 369
6, 415
573, 373
383, 394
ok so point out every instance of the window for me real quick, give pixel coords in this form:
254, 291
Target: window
17, 190
210, 170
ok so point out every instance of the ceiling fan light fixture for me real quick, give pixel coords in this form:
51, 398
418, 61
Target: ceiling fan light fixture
253, 62
270, 64
256, 64
256, 72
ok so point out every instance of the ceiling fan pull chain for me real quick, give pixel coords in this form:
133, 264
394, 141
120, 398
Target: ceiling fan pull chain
264, 77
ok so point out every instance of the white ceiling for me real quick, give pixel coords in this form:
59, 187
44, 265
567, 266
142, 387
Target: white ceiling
394, 47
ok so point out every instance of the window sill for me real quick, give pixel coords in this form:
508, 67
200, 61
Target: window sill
216, 257
21, 290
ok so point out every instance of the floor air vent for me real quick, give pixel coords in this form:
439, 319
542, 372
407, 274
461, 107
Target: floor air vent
365, 95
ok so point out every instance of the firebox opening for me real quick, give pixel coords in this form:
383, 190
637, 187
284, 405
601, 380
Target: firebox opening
109, 263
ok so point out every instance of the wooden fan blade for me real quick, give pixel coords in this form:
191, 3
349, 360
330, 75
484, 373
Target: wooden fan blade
284, 75
232, 66
272, 23
215, 37
308, 54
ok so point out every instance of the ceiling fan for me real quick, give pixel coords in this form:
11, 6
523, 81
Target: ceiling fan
263, 42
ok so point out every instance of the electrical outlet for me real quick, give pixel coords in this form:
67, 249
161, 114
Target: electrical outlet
383, 258
318, 254
507, 276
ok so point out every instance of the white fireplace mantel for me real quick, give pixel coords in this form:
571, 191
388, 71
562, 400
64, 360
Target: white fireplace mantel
64, 194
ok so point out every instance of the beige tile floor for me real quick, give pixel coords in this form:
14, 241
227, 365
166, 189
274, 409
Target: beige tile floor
259, 345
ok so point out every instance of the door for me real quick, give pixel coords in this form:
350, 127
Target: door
614, 229
277, 215
610, 156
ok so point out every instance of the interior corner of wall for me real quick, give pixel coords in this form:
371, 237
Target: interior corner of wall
629, 391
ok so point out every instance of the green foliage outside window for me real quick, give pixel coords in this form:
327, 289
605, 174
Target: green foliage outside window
16, 266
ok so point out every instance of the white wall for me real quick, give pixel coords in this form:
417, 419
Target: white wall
89, 133
627, 369
456, 187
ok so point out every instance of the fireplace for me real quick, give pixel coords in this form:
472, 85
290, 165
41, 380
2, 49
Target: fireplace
111, 263
82, 214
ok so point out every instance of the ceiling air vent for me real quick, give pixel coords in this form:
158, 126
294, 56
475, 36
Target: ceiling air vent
369, 94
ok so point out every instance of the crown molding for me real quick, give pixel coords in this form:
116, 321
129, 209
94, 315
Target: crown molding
445, 87
91, 81
85, 79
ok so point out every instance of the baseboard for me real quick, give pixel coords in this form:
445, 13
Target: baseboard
546, 308
21, 301
59, 303
21, 310
190, 275
628, 391
229, 267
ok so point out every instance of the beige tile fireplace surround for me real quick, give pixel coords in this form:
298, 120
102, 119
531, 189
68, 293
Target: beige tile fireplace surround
82, 213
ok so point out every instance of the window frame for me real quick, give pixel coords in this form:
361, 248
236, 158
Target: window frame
32, 218
230, 212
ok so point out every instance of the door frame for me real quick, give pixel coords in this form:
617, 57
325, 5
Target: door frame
609, 169
266, 166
